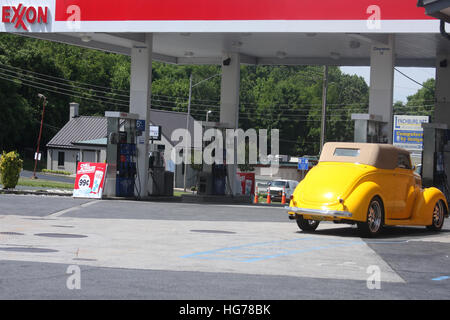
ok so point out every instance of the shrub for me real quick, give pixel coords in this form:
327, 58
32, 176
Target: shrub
10, 167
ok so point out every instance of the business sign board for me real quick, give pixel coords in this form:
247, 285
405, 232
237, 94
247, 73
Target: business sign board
90, 180
21, 16
408, 132
155, 132
26, 15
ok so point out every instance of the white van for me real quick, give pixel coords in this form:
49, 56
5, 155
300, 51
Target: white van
276, 188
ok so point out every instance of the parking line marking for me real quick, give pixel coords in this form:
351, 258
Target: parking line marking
302, 251
62, 212
240, 247
441, 278
234, 252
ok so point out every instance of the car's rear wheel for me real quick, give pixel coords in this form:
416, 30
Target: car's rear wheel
375, 219
307, 225
438, 216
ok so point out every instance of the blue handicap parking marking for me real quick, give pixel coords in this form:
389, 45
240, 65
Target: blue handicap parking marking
259, 251
441, 278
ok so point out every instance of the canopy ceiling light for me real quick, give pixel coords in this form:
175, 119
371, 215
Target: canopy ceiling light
354, 44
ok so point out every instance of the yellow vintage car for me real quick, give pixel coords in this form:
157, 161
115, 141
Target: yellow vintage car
371, 185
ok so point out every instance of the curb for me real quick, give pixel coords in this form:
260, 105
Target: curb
172, 199
36, 192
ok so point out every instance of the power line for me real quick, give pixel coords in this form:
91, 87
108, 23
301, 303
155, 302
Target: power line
308, 73
415, 81
18, 74
62, 93
57, 78
68, 92
45, 86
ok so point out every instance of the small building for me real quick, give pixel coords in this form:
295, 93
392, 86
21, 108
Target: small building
83, 139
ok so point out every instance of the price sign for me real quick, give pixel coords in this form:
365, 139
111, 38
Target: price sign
89, 182
84, 182
155, 133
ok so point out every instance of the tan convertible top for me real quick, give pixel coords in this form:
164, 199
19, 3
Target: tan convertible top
382, 156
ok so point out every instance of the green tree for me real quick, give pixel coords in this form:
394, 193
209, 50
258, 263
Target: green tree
287, 98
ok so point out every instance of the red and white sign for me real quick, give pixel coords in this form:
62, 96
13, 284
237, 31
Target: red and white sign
210, 10
21, 16
247, 182
397, 16
90, 180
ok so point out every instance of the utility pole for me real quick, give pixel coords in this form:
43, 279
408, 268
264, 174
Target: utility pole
187, 117
36, 156
185, 156
323, 127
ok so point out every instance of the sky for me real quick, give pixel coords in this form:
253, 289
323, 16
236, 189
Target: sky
403, 87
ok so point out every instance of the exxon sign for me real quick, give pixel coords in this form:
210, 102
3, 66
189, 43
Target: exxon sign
22, 15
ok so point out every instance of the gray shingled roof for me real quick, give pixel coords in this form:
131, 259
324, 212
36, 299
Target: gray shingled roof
170, 121
86, 128
79, 129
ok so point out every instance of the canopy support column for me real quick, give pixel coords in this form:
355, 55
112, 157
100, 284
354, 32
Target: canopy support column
229, 106
140, 103
381, 100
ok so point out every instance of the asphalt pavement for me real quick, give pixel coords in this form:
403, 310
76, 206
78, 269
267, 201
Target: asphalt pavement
147, 250
47, 176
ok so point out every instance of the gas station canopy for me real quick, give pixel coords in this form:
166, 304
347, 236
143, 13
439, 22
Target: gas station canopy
381, 34
288, 32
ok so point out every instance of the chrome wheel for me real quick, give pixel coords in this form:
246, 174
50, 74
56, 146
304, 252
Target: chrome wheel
438, 215
375, 219
374, 216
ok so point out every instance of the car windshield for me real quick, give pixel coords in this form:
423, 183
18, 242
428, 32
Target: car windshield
278, 184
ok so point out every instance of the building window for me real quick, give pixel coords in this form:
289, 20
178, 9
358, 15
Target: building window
61, 159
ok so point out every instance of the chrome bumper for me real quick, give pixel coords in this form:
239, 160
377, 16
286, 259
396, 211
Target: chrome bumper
322, 213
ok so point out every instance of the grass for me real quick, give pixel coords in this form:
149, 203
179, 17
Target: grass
263, 199
66, 173
44, 184
180, 193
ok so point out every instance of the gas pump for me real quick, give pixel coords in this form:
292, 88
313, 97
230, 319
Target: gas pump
214, 179
156, 171
160, 181
121, 154
435, 155
368, 128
